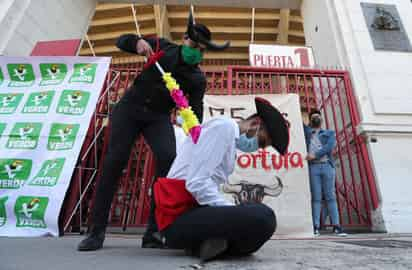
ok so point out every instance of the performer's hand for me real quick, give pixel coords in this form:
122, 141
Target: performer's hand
310, 157
143, 48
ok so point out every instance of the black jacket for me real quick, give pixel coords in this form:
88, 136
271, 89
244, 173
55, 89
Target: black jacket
149, 86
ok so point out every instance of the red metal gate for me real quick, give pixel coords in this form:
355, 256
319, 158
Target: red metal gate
329, 91
332, 93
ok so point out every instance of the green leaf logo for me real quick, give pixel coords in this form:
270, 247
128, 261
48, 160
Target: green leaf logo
30, 211
21, 75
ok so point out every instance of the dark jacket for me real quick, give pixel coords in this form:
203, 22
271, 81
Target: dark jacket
328, 140
149, 86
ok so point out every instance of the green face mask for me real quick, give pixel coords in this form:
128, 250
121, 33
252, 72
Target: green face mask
191, 56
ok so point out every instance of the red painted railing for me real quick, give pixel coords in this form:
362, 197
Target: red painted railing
328, 90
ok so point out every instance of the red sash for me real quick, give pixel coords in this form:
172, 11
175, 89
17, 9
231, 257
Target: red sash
172, 200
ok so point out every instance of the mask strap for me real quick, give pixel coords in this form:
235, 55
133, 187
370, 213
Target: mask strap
257, 130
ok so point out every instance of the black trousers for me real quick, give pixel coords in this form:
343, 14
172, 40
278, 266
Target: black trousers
128, 120
246, 227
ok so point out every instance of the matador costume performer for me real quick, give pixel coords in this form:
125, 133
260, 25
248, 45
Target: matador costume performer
145, 110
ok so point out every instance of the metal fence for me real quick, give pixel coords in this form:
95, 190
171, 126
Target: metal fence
329, 91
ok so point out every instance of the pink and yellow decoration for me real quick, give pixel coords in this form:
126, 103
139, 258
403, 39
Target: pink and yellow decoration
190, 122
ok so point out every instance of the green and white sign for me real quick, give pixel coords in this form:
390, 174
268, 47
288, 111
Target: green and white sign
39, 102
9, 102
14, 172
3, 212
73, 102
21, 75
49, 173
62, 136
2, 128
24, 136
52, 74
46, 107
1, 77
30, 211
83, 73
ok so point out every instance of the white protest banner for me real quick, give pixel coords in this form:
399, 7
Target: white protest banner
46, 104
281, 182
280, 56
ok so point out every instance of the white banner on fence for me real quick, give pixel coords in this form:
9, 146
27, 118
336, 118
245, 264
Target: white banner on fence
281, 182
46, 104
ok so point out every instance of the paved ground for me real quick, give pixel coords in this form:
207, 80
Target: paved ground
123, 252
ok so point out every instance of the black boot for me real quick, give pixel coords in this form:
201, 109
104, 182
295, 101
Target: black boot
93, 241
153, 240
212, 248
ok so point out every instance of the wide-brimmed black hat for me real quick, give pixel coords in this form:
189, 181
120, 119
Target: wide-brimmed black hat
275, 123
201, 34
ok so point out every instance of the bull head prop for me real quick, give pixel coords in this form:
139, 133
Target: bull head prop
246, 192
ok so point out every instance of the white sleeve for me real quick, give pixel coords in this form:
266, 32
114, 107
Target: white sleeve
207, 157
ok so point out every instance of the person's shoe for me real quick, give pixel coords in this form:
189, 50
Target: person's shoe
212, 248
338, 231
154, 240
93, 241
316, 232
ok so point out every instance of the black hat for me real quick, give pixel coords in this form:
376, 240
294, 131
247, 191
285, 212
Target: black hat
275, 123
201, 34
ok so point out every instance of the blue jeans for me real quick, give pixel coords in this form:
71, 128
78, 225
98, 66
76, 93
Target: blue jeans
322, 179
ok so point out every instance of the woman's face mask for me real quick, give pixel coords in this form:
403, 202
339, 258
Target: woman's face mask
315, 121
191, 56
246, 144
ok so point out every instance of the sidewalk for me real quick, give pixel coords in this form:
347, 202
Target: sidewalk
124, 252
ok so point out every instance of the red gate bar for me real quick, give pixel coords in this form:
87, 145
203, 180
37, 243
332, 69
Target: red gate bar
327, 90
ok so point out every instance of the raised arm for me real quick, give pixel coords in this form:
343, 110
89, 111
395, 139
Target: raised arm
139, 45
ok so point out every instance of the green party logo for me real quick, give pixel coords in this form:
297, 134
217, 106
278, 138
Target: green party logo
2, 128
9, 102
1, 77
39, 102
73, 102
62, 136
30, 211
49, 173
3, 213
21, 75
52, 74
84, 73
14, 172
24, 136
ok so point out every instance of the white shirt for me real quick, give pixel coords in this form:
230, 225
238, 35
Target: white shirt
316, 145
180, 137
206, 165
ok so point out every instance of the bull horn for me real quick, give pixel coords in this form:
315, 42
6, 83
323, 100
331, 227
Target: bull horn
229, 188
195, 36
275, 189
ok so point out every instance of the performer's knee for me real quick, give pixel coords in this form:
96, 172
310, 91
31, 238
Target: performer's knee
264, 219
269, 221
